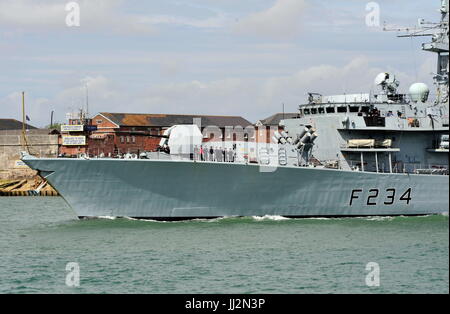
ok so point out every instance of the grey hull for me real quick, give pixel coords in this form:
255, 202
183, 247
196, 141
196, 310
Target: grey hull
174, 189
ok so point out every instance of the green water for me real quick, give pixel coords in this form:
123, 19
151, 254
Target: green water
39, 236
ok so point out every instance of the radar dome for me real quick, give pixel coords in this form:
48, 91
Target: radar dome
419, 92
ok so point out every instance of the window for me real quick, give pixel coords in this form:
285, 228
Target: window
354, 109
128, 139
365, 109
330, 109
122, 140
99, 121
133, 139
342, 109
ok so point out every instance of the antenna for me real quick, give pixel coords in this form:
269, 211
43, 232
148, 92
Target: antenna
87, 100
438, 44
24, 138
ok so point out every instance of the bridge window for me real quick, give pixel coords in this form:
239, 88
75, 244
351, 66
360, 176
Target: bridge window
365, 109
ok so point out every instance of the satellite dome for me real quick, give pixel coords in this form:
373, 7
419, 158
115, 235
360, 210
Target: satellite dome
419, 92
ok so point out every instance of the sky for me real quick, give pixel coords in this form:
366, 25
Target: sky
217, 57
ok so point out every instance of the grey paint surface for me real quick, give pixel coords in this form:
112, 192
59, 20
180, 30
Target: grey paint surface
151, 188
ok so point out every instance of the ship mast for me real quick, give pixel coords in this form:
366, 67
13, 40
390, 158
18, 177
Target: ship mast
439, 33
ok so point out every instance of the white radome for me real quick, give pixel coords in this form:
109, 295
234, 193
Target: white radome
419, 92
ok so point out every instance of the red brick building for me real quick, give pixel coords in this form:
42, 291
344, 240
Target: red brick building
119, 133
266, 127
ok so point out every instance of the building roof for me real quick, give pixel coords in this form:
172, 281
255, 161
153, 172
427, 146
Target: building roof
12, 124
167, 120
276, 118
31, 132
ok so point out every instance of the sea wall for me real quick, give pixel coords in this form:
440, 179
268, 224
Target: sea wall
40, 143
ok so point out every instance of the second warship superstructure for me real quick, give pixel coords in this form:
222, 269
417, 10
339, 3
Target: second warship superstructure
380, 153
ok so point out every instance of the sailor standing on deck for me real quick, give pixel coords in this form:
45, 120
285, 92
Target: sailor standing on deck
216, 154
196, 153
221, 154
211, 154
202, 153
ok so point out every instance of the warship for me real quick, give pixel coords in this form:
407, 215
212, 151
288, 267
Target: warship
370, 154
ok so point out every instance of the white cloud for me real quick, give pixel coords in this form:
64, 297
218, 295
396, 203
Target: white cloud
36, 108
98, 15
25, 13
252, 98
283, 19
103, 94
255, 98
217, 21
100, 89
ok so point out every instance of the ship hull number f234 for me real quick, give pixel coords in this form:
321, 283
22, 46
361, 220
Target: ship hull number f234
376, 197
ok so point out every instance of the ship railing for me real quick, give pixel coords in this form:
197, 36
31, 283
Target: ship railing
419, 168
397, 167
373, 99
218, 156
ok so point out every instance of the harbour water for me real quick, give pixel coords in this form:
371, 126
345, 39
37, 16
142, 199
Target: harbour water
39, 236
